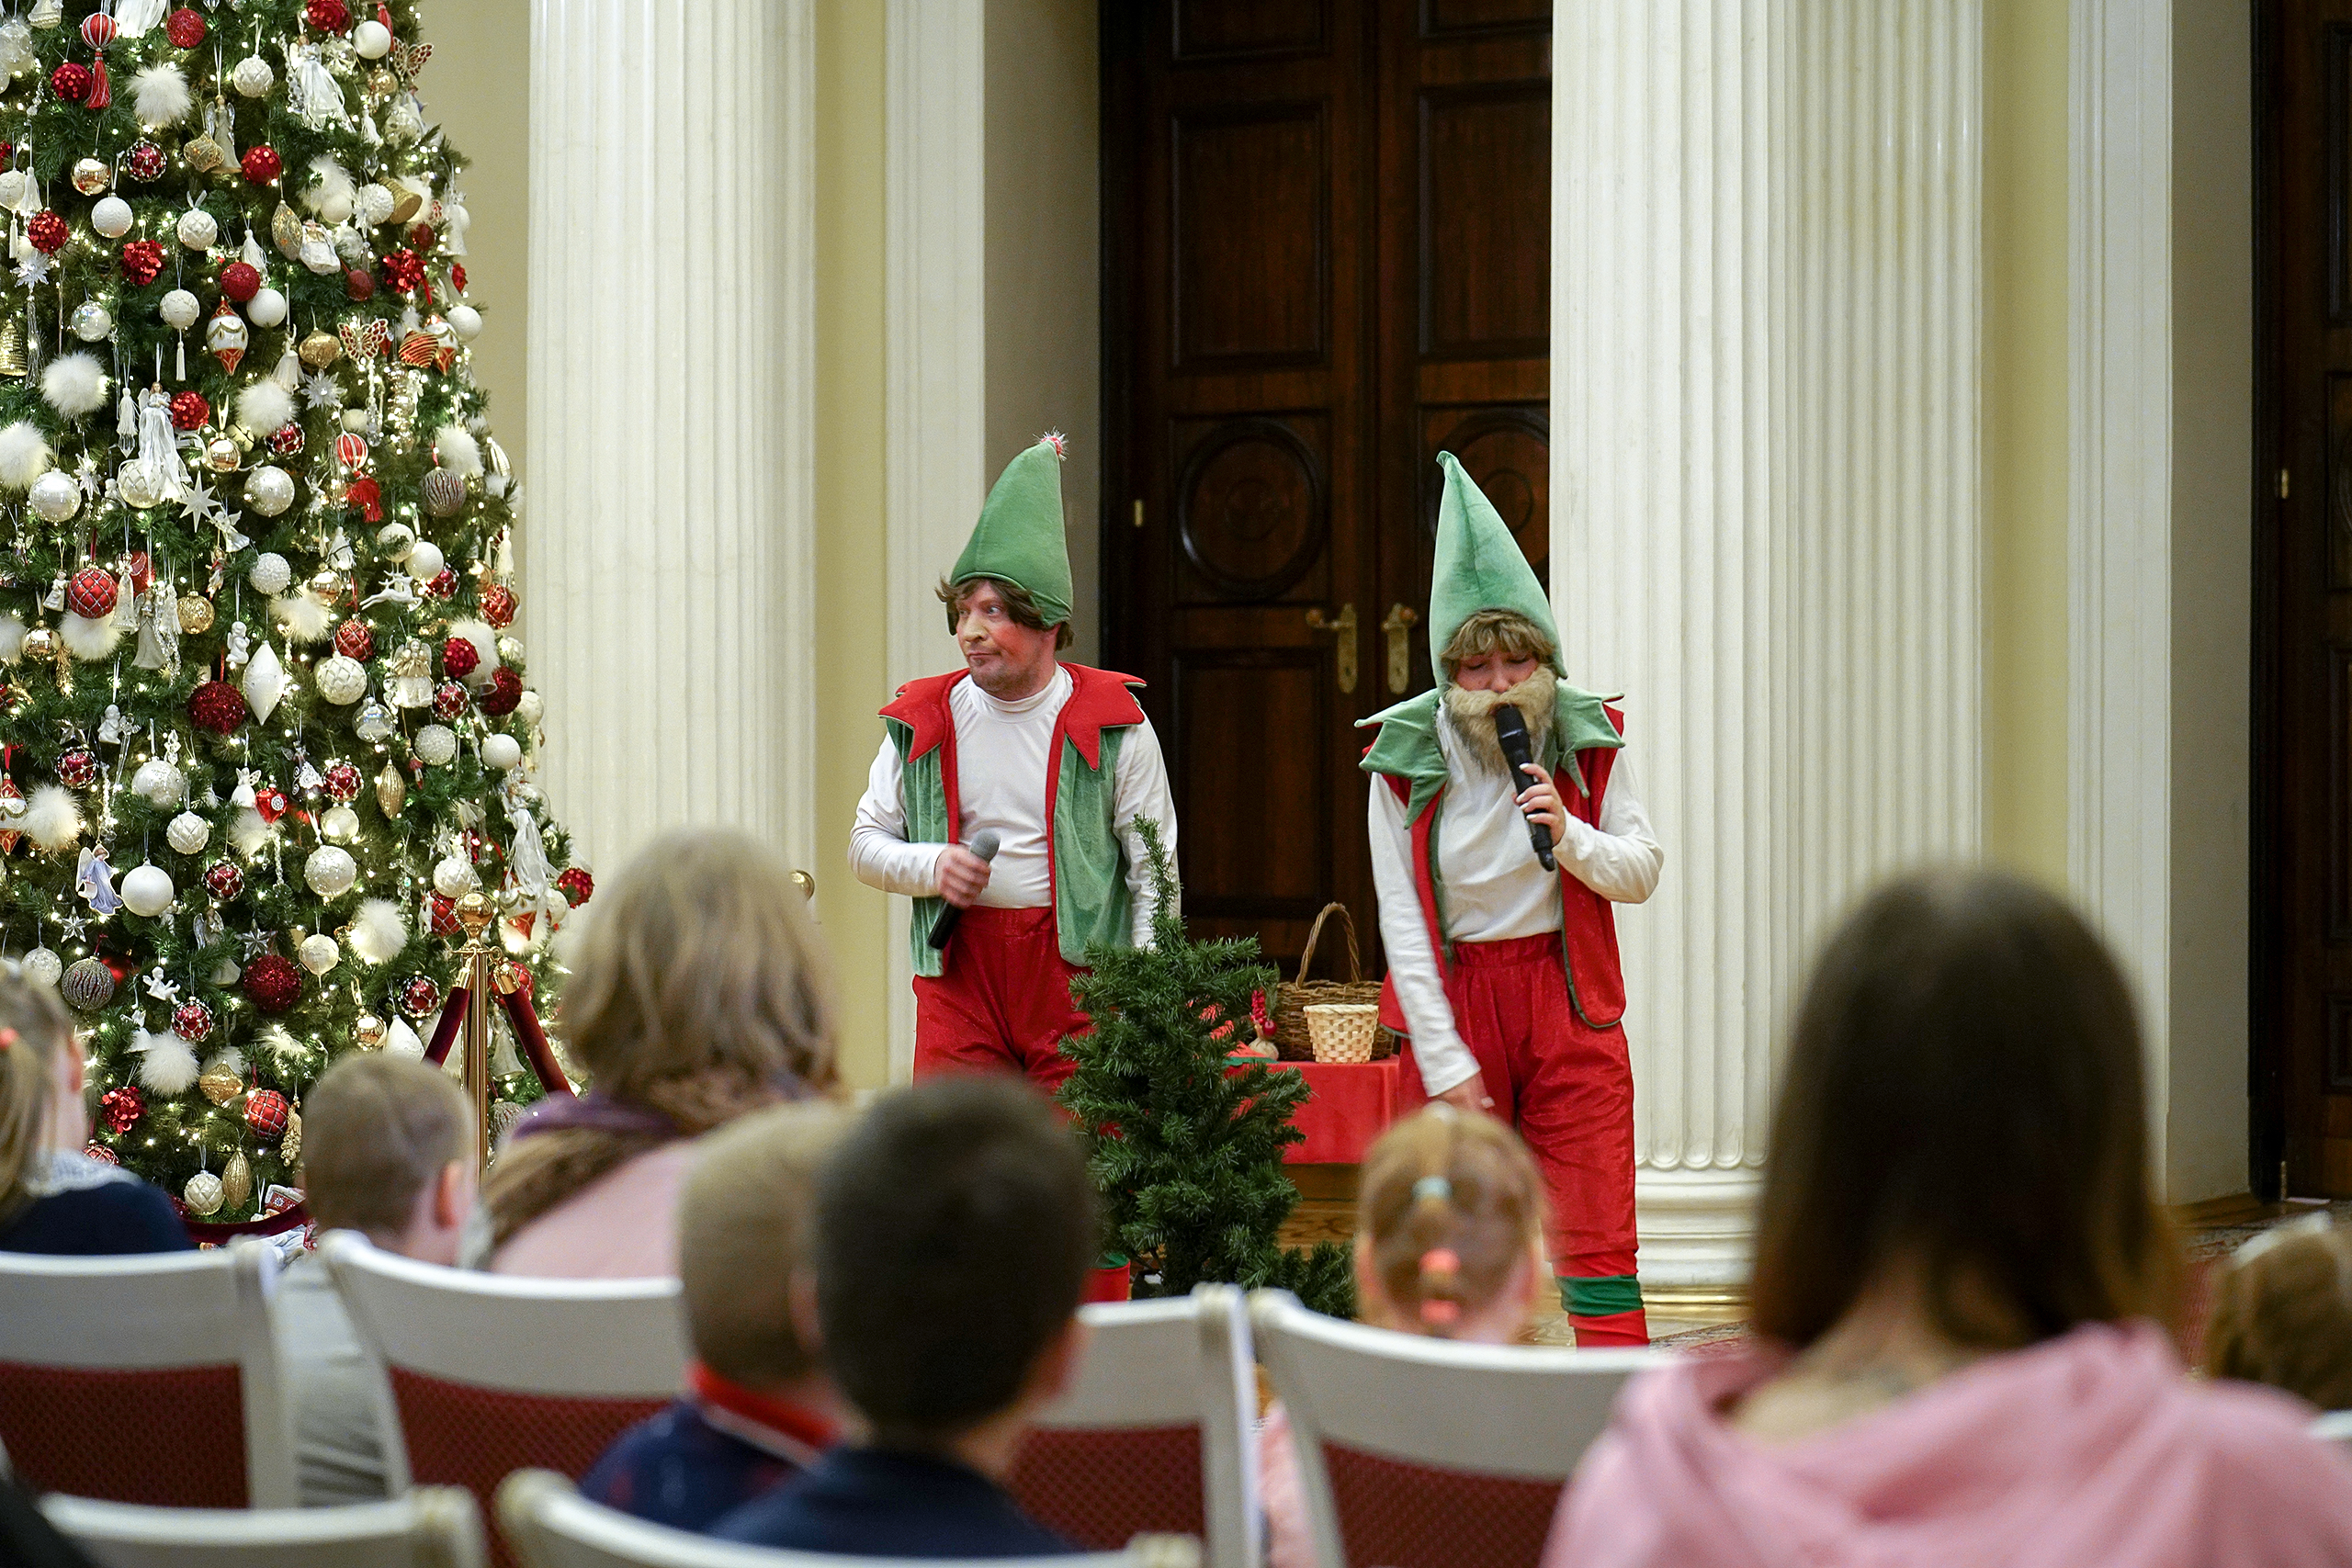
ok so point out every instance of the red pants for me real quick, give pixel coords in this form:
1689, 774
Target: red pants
1003, 1003
1569, 1089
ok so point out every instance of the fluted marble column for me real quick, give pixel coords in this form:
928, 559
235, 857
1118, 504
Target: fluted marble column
668, 538
1765, 243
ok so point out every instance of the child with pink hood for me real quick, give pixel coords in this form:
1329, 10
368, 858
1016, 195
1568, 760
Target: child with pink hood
1962, 1293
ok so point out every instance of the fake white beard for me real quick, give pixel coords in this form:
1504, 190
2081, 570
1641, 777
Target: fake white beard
1473, 725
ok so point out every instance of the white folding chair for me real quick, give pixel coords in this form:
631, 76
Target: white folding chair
2336, 1427
553, 1527
433, 1526
1432, 1453
145, 1379
488, 1374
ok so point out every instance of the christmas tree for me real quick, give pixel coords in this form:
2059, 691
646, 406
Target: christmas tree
1184, 1140
263, 719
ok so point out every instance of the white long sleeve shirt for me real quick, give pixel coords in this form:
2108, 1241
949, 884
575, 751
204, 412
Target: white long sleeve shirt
1001, 752
1495, 887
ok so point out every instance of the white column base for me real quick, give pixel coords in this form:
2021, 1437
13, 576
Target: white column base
1697, 1228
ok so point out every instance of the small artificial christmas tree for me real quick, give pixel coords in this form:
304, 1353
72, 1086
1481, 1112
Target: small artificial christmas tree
1184, 1142
263, 719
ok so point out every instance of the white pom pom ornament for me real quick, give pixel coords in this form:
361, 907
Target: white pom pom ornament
74, 384
378, 932
24, 454
166, 1064
265, 407
52, 818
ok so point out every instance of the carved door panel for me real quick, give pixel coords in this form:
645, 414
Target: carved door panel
1327, 254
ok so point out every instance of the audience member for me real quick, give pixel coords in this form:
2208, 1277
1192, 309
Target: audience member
2282, 1313
388, 1151
1961, 1282
757, 1409
27, 1538
698, 992
1449, 1244
54, 1197
955, 1230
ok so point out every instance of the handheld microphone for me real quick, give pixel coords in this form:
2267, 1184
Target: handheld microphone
984, 844
1510, 734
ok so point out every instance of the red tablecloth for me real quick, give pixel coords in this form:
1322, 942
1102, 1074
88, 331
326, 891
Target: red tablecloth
1350, 1104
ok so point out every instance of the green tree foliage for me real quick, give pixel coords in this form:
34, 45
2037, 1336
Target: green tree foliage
1186, 1143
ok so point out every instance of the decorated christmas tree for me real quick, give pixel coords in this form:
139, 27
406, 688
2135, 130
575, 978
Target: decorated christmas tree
1185, 1140
265, 720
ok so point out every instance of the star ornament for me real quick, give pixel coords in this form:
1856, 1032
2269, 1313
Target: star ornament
255, 944
321, 390
33, 270
201, 505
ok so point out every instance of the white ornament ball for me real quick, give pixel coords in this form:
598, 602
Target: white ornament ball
188, 833
330, 871
159, 782
339, 824
269, 489
270, 575
267, 309
531, 707
253, 76
139, 485
55, 497
203, 1193
198, 229
341, 679
179, 309
146, 890
374, 204
454, 877
426, 560
90, 321
371, 41
111, 216
41, 967
394, 540
319, 952
466, 321
436, 745
501, 751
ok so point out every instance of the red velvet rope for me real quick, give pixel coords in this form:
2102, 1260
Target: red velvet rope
205, 1233
527, 1032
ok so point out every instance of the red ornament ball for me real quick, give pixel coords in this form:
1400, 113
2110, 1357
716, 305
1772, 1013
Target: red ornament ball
354, 640
505, 691
92, 593
576, 886
449, 701
417, 996
223, 880
403, 269
48, 233
78, 769
97, 30
423, 238
262, 164
358, 285
342, 783
71, 82
240, 281
286, 440
266, 1111
498, 605
192, 1021
189, 410
144, 162
444, 584
216, 708
328, 15
123, 1108
443, 914
459, 657
351, 448
99, 1152
143, 261
184, 27
272, 983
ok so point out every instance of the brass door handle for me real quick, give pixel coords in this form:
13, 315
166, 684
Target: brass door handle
1399, 624
1344, 624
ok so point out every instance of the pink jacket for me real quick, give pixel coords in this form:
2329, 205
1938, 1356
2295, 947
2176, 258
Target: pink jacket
622, 1226
2090, 1448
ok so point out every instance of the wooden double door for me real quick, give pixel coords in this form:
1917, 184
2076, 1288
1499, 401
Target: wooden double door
1328, 242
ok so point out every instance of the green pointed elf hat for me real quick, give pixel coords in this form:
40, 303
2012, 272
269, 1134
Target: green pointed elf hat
1019, 537
1479, 567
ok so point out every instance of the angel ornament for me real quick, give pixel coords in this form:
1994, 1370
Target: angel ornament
136, 19
311, 89
112, 729
411, 686
159, 629
243, 794
159, 446
161, 989
94, 882
240, 645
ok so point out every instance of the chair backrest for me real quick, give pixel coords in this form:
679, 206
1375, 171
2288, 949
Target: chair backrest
434, 1526
148, 1379
1430, 1453
2336, 1427
553, 1527
490, 1374
1152, 1437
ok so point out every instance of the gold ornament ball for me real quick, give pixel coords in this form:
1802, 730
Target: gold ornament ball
474, 912
40, 645
370, 1032
337, 490
325, 583
220, 1085
90, 175
237, 1181
391, 790
196, 614
222, 455
320, 350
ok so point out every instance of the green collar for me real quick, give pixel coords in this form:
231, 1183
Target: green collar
1407, 746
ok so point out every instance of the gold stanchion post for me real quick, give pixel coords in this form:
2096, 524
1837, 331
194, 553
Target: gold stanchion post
475, 914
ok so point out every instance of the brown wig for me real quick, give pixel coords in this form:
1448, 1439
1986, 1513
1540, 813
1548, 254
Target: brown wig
1963, 1108
2284, 1317
1450, 1207
1504, 634
1017, 603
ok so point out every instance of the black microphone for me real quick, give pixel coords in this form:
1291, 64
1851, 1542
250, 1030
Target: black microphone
1510, 734
984, 844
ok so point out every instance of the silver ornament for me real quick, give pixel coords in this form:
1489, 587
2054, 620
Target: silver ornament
374, 724
269, 574
55, 498
40, 967
269, 489
87, 984
90, 321
436, 745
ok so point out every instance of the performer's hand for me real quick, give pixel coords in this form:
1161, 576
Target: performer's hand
963, 876
1541, 801
1469, 1095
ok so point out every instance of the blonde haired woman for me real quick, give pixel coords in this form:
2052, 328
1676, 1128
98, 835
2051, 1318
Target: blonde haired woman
699, 992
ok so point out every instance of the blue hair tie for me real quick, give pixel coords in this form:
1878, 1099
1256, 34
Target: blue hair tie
1436, 1187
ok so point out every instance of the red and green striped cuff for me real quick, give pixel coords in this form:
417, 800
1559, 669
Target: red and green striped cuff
1603, 1296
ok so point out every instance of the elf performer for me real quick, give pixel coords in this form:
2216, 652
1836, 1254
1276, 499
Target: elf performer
1503, 976
1055, 760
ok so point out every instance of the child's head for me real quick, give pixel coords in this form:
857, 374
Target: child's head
2282, 1315
1503, 635
744, 1234
41, 1084
1450, 1228
388, 1149
954, 1227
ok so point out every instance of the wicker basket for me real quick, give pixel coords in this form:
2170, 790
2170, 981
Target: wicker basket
1344, 1032
1292, 1037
